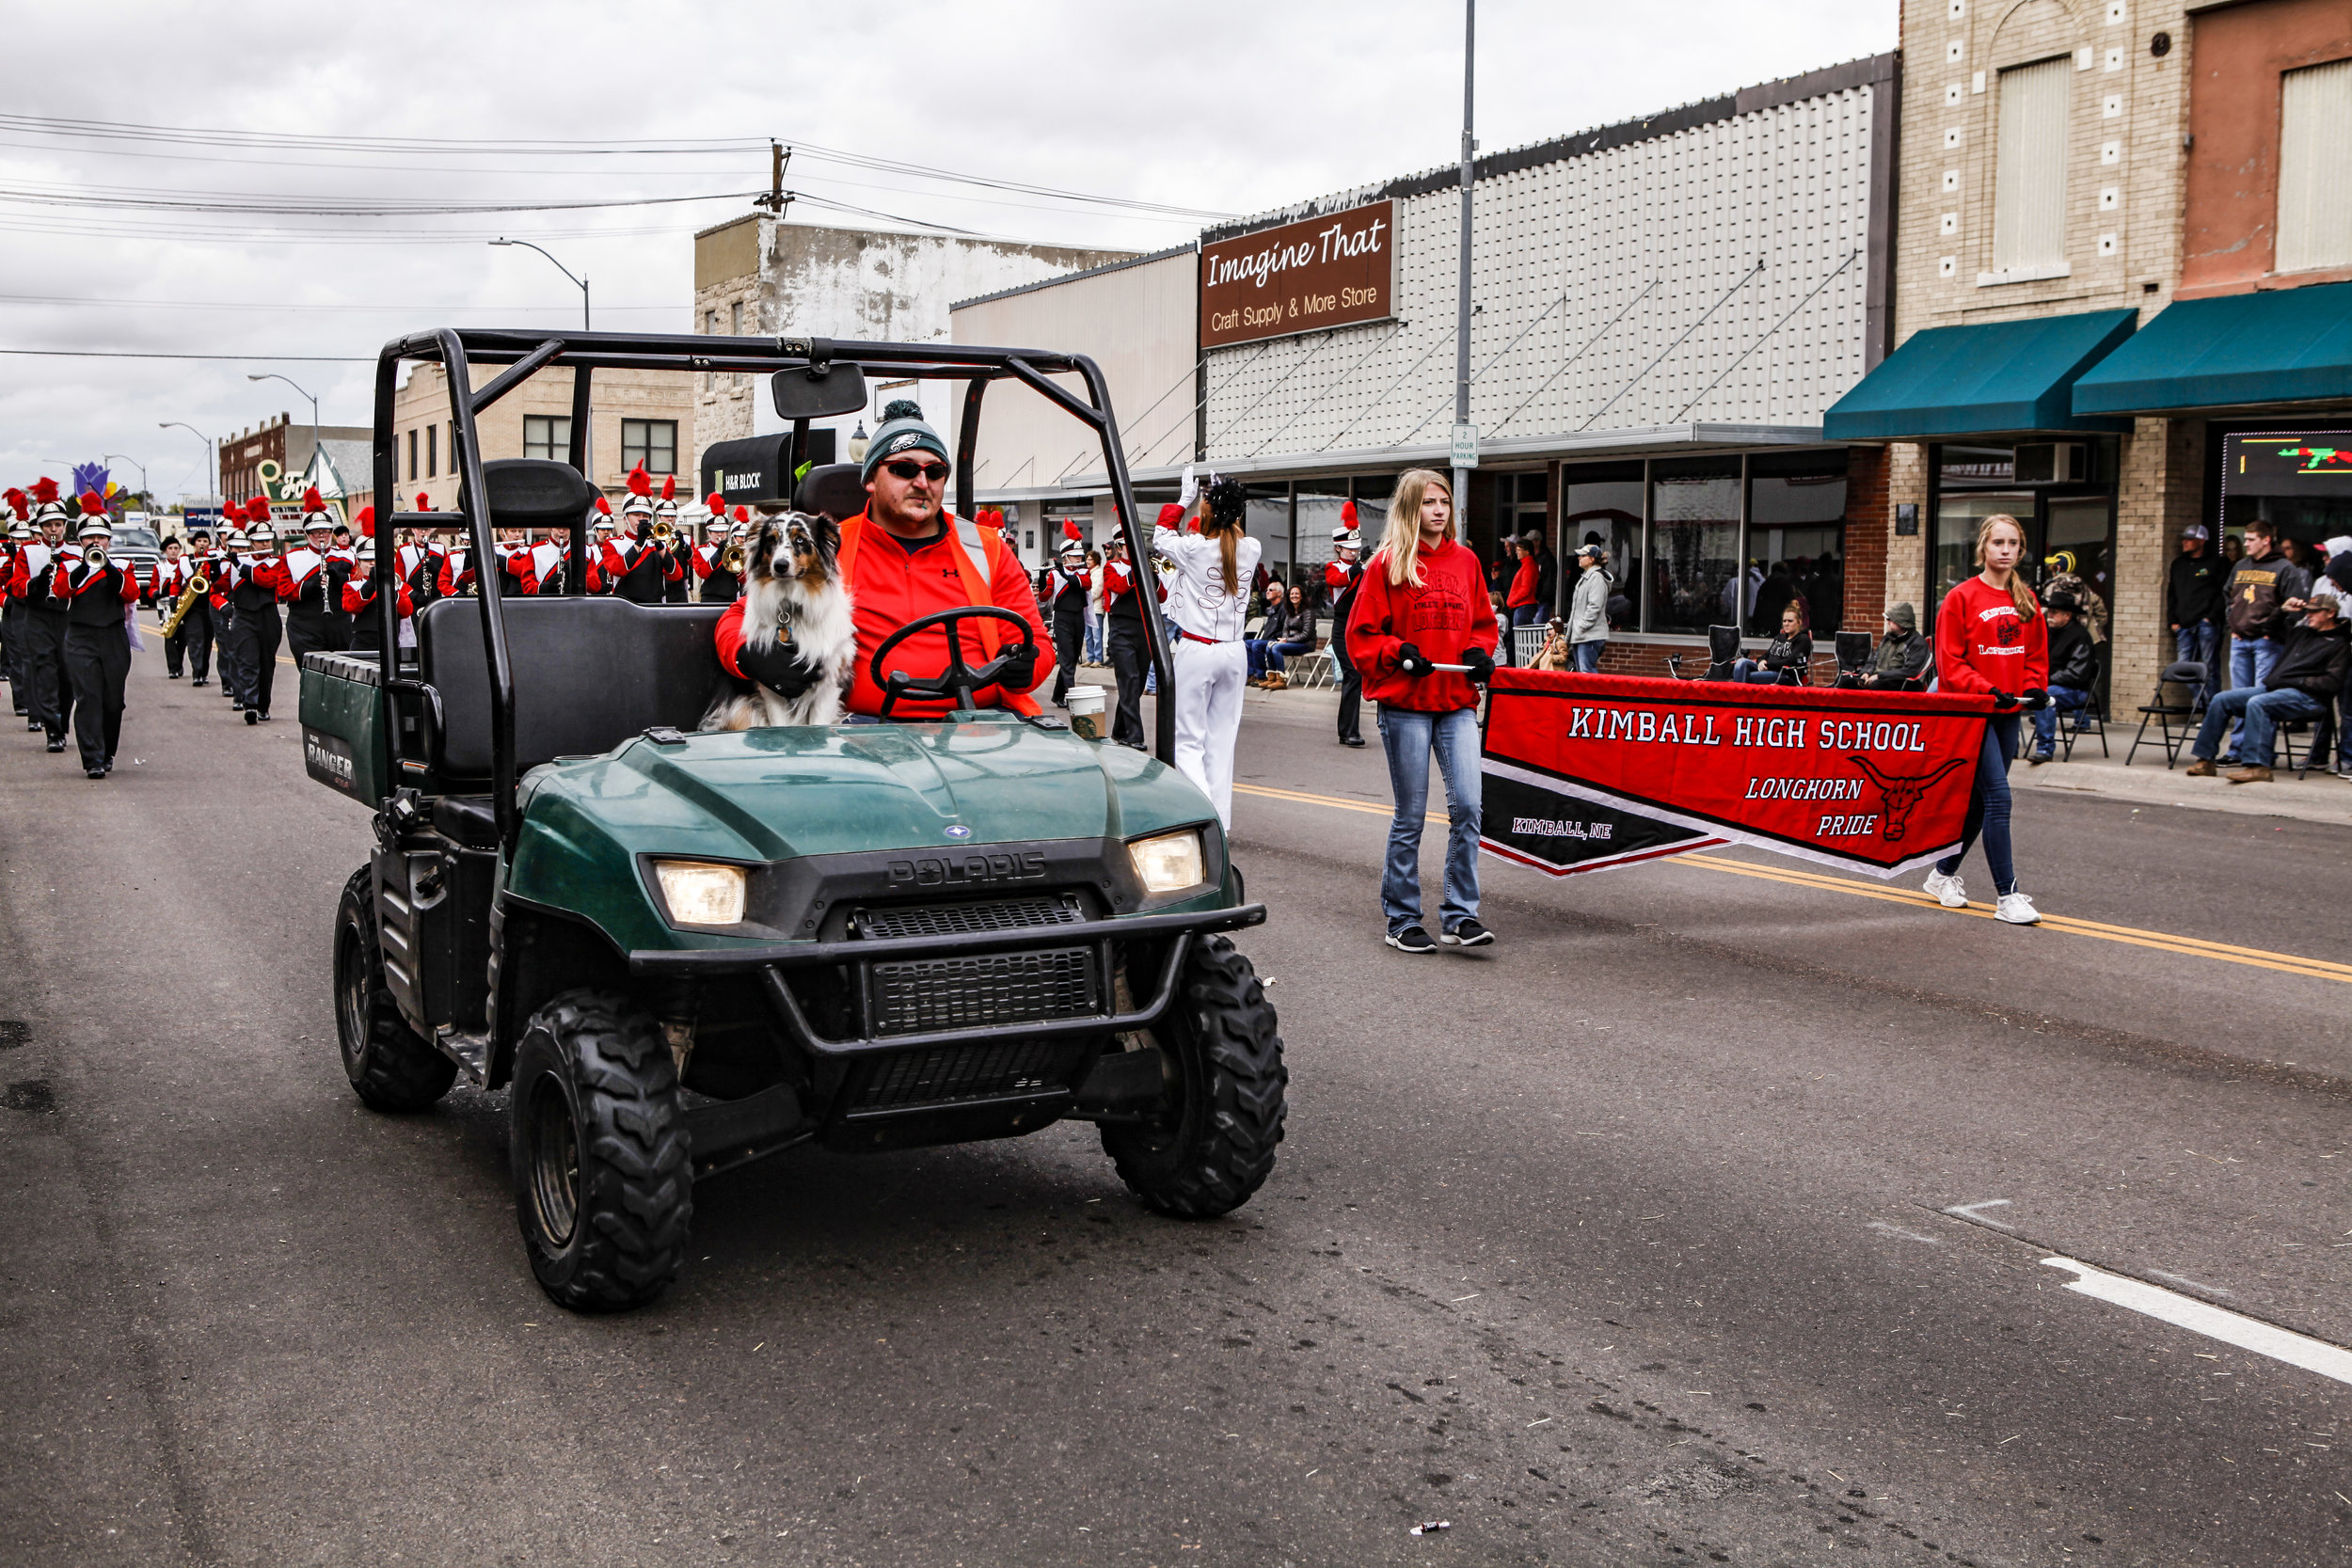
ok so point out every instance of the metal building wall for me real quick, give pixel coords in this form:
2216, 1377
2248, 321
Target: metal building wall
1618, 288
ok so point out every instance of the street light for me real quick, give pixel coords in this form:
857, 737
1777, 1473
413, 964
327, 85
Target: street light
273, 376
581, 283
114, 456
588, 437
211, 452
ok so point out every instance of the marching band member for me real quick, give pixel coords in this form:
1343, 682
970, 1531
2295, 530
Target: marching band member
1122, 616
718, 584
367, 635
636, 567
13, 604
234, 547
310, 582
199, 630
341, 553
48, 701
169, 579
256, 631
677, 589
455, 575
98, 593
1210, 600
1342, 576
1066, 585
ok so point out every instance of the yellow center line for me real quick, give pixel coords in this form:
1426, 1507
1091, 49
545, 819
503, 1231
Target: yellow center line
2195, 948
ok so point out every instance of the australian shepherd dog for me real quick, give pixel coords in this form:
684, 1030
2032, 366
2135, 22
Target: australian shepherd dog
793, 589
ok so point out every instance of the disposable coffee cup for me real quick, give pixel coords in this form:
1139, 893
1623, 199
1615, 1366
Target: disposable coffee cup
1084, 704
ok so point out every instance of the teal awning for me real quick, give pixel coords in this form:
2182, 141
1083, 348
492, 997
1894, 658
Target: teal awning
2281, 346
1983, 380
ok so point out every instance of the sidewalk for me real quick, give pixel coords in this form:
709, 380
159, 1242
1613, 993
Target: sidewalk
2146, 783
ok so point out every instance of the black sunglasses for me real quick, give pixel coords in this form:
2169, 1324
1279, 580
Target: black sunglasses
907, 468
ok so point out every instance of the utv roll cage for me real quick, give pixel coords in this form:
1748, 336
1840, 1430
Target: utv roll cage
525, 354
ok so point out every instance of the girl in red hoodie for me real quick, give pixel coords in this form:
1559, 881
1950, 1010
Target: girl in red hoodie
1990, 636
1423, 603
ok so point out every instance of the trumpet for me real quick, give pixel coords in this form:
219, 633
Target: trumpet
663, 532
731, 561
198, 586
95, 557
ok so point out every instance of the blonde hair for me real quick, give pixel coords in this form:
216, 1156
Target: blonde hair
1401, 543
1228, 536
2019, 594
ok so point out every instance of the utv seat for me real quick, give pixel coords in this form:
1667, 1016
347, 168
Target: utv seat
589, 672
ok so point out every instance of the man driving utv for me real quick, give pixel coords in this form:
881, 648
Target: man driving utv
901, 558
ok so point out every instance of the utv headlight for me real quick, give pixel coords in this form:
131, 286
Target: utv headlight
1169, 863
701, 894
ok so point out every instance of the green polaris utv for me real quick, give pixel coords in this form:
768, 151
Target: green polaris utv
682, 952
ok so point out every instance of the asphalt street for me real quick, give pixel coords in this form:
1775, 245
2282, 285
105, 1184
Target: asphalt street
1701, 1219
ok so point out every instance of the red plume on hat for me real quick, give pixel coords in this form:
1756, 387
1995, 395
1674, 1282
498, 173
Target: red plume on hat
93, 506
256, 510
991, 516
44, 491
716, 504
425, 502
640, 481
1347, 513
743, 514
367, 521
669, 487
604, 506
1070, 529
312, 501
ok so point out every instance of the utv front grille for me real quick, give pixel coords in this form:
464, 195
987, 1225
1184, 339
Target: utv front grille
929, 995
955, 1074
938, 920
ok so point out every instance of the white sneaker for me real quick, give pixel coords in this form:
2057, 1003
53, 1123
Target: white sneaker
2017, 909
1947, 890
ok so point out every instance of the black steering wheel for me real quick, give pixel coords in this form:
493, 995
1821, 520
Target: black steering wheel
959, 681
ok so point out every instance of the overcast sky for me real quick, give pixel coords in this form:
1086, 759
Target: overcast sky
1223, 106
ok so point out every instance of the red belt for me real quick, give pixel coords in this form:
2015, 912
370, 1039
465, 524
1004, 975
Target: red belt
1211, 642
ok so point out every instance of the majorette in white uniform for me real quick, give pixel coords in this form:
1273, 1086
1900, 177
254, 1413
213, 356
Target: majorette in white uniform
1211, 663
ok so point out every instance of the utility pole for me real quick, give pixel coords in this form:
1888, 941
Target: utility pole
1465, 437
777, 200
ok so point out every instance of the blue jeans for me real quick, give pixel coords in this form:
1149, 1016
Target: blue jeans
1988, 806
1094, 640
1408, 738
1587, 656
1753, 672
2261, 711
2250, 660
2197, 643
2063, 700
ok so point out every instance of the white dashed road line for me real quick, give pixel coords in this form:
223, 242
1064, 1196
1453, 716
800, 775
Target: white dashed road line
2296, 1350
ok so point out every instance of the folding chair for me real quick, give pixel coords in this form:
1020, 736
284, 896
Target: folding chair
1723, 646
2322, 731
1853, 657
2189, 675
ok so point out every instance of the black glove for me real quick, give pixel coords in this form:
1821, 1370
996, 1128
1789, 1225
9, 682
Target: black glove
1482, 665
1020, 672
1408, 660
2003, 702
777, 667
2036, 699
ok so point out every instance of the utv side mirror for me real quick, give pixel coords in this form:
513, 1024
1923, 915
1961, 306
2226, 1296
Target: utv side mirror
819, 391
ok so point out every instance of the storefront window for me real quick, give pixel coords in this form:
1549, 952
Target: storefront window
1270, 524
1602, 503
1796, 541
1957, 515
2078, 527
1372, 508
1694, 542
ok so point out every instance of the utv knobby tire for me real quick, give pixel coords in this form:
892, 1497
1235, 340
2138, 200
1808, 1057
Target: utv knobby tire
1215, 1146
603, 1187
389, 1064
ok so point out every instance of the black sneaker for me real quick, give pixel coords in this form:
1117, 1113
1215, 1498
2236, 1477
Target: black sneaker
1351, 740
56, 744
1412, 939
2035, 759
251, 716
1470, 933
95, 773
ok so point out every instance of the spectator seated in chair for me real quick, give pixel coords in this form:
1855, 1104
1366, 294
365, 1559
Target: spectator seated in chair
1902, 654
1289, 631
2312, 660
2074, 670
1788, 654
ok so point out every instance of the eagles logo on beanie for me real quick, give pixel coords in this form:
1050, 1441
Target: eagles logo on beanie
903, 430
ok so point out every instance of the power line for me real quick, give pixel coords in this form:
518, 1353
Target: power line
138, 354
245, 203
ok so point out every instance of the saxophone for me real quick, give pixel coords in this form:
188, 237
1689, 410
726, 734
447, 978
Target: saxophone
198, 586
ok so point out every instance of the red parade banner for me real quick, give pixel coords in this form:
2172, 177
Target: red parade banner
1591, 772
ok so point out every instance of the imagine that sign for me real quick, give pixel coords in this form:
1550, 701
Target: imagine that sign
1324, 272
